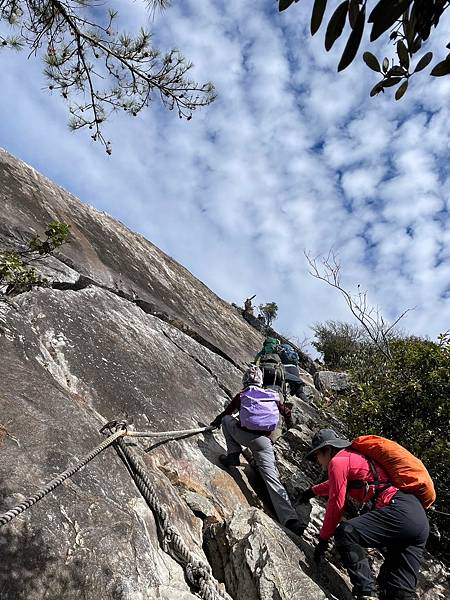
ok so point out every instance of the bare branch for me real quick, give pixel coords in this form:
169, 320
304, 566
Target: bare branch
370, 317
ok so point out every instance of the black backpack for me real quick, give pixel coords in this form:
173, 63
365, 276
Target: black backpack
273, 371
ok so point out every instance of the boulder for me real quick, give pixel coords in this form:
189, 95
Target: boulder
332, 381
258, 560
307, 378
309, 394
106, 252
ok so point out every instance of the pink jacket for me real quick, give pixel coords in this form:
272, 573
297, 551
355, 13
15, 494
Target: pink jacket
344, 467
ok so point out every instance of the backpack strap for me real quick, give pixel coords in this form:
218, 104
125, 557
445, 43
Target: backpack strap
379, 486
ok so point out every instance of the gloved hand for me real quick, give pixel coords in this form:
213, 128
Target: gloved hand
305, 496
320, 550
216, 422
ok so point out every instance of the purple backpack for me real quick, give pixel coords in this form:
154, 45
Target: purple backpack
259, 409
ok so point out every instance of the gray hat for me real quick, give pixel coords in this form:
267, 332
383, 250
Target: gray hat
252, 376
326, 437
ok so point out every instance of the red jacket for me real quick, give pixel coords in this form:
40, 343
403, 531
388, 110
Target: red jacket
344, 467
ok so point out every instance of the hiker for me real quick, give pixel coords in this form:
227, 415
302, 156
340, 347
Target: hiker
271, 366
395, 521
248, 306
259, 411
270, 346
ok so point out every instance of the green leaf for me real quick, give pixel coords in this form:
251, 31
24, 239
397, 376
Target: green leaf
423, 62
317, 15
353, 41
336, 24
377, 88
372, 61
401, 90
385, 14
397, 70
390, 81
353, 12
403, 54
442, 68
284, 4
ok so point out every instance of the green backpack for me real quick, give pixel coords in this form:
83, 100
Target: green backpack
270, 345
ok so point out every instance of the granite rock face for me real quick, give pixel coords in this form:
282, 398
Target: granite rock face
127, 333
104, 251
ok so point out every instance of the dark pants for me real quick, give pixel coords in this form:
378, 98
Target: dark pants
401, 531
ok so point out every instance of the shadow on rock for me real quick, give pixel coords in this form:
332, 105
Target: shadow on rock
325, 574
30, 569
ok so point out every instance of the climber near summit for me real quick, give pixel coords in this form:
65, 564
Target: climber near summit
259, 411
394, 522
248, 306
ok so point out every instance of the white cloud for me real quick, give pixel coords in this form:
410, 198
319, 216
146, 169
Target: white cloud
291, 156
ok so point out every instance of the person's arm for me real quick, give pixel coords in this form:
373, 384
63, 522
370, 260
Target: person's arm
337, 492
234, 405
284, 409
321, 489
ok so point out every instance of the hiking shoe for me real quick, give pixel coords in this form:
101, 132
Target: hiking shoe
295, 526
230, 460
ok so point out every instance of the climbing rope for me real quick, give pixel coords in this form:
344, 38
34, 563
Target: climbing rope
54, 483
439, 512
197, 571
131, 433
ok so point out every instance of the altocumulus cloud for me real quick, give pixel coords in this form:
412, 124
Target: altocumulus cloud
291, 156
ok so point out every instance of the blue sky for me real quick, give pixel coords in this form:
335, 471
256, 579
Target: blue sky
291, 157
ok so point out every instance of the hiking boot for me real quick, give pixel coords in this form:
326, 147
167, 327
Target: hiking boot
295, 526
230, 460
366, 597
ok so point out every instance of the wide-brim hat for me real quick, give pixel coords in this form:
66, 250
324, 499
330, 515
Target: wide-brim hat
326, 437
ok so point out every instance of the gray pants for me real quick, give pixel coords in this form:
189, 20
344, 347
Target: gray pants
262, 450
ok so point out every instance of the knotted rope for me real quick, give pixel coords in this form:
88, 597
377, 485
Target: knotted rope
197, 571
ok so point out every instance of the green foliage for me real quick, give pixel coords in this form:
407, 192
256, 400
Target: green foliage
269, 311
95, 68
16, 274
408, 24
406, 399
337, 342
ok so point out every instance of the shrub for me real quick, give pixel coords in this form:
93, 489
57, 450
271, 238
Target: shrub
406, 399
16, 273
337, 342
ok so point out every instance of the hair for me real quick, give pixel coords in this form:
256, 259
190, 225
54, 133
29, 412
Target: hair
333, 450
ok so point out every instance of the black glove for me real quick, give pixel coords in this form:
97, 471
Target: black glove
320, 550
216, 422
305, 496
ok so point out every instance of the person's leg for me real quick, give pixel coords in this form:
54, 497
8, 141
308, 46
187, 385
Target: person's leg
401, 527
351, 545
230, 431
399, 572
262, 450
